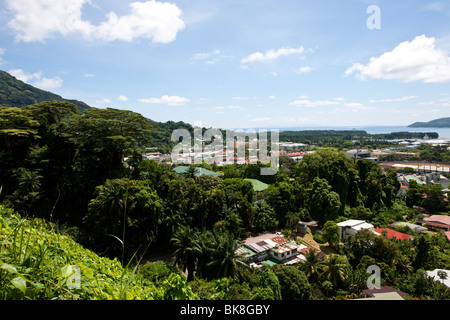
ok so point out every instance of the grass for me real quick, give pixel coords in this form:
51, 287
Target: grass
37, 263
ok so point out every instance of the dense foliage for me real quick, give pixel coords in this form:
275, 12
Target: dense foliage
67, 168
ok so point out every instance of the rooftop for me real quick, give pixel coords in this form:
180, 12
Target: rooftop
199, 171
257, 185
439, 218
355, 224
383, 289
392, 233
434, 274
414, 227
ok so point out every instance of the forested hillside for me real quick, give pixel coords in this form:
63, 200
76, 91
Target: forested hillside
67, 168
16, 93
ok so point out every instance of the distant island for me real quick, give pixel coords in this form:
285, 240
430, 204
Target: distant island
438, 123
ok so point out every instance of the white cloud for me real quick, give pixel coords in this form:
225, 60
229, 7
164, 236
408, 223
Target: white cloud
36, 79
418, 60
103, 101
200, 56
25, 76
405, 98
294, 119
228, 107
262, 119
122, 98
203, 55
49, 83
272, 97
2, 52
37, 20
89, 75
305, 69
271, 55
168, 100
312, 104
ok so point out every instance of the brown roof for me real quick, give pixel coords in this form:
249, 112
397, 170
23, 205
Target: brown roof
383, 289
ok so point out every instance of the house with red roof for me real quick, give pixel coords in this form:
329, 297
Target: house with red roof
439, 221
393, 234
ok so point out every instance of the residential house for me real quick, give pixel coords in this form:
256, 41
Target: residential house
270, 249
435, 275
259, 187
383, 293
414, 227
436, 221
198, 171
393, 234
350, 227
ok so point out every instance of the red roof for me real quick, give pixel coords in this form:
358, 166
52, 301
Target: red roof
392, 233
447, 233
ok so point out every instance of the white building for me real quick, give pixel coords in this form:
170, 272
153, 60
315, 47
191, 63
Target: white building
434, 274
350, 227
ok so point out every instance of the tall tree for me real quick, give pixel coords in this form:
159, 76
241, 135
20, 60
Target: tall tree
331, 233
334, 269
187, 247
324, 203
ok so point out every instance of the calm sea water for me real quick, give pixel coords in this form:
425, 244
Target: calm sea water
443, 132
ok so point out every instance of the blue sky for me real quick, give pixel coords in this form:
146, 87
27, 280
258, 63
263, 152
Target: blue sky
237, 64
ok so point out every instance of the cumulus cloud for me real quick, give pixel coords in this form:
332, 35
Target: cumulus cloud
271, 55
168, 100
38, 20
417, 60
49, 83
122, 98
36, 79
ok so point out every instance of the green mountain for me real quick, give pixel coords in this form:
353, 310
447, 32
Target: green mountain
16, 93
438, 123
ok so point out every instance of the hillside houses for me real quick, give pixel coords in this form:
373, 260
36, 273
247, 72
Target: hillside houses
270, 249
351, 227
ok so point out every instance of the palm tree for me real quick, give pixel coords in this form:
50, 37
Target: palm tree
222, 259
333, 270
442, 275
28, 191
191, 172
28, 180
187, 249
311, 266
403, 265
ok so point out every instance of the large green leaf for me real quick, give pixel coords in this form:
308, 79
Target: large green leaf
8, 267
20, 284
